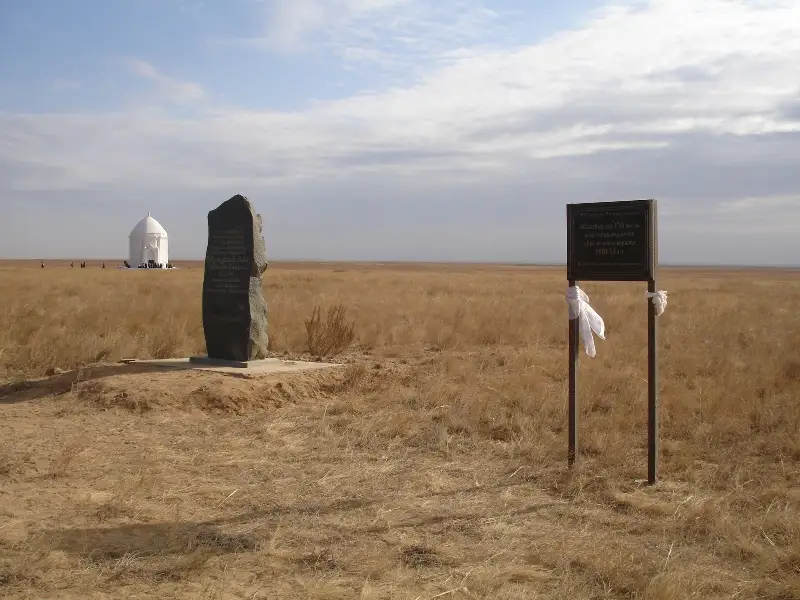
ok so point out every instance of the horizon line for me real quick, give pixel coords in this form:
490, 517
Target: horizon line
669, 265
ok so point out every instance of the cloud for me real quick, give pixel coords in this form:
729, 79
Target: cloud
291, 22
394, 34
180, 92
776, 214
690, 101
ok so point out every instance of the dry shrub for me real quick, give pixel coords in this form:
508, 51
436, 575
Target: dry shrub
12, 461
121, 502
331, 336
21, 566
419, 555
7, 464
66, 457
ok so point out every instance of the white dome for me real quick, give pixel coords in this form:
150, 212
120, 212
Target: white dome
148, 243
148, 226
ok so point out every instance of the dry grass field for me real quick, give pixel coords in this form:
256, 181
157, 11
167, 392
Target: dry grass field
430, 466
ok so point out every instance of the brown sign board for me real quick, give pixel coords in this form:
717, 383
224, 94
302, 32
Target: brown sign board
612, 241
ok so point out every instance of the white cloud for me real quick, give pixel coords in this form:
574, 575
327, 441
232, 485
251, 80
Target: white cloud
290, 22
395, 34
750, 204
180, 92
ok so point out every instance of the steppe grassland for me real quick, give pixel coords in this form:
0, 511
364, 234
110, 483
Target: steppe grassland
433, 463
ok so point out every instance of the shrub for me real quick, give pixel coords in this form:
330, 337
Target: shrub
331, 336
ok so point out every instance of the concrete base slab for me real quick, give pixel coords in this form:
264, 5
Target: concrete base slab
250, 368
220, 362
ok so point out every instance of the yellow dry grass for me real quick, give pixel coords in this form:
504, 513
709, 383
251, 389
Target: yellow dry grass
431, 466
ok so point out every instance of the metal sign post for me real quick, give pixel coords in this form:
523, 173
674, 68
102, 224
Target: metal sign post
615, 241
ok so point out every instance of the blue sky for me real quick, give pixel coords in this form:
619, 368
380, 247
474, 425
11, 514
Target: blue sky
400, 129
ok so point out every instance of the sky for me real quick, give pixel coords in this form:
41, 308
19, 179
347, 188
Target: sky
446, 130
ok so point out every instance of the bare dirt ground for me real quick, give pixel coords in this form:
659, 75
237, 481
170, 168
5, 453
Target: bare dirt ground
432, 465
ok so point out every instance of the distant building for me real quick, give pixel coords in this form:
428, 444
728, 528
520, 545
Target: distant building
148, 244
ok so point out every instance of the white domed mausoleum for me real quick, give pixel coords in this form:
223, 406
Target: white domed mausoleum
148, 244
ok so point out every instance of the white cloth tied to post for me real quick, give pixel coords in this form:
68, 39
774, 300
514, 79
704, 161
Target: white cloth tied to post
659, 300
588, 320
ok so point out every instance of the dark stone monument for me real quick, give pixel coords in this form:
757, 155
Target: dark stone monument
234, 308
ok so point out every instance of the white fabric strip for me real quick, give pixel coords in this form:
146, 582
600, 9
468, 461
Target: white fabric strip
659, 300
588, 320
